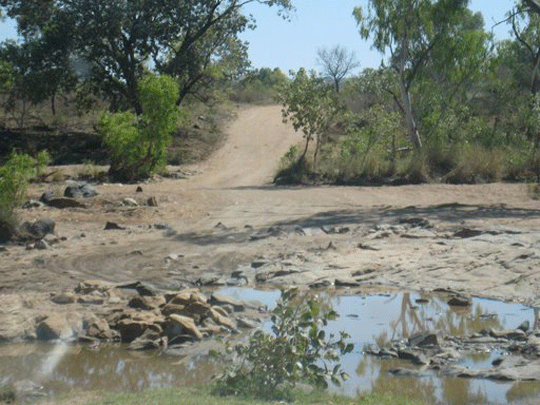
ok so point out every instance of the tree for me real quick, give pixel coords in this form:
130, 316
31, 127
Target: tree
453, 76
409, 30
525, 22
311, 105
39, 70
138, 144
337, 63
121, 39
533, 4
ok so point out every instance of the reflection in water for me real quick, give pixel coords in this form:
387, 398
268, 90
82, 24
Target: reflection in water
50, 362
381, 319
369, 319
111, 368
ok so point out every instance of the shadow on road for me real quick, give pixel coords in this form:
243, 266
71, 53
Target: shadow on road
450, 213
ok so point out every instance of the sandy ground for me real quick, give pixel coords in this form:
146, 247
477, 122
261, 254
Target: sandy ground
481, 239
233, 188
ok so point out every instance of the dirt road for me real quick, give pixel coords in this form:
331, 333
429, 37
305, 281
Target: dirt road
229, 215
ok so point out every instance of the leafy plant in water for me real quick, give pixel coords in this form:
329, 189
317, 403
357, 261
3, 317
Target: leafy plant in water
269, 365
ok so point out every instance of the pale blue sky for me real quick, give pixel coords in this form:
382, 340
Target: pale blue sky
318, 23
325, 23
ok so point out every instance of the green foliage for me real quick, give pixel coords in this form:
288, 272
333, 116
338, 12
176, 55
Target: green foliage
311, 105
117, 40
437, 40
138, 144
375, 131
259, 86
14, 177
290, 157
268, 366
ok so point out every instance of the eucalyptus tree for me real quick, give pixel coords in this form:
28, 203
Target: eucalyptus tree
409, 30
122, 39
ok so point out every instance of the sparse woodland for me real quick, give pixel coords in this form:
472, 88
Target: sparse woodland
448, 104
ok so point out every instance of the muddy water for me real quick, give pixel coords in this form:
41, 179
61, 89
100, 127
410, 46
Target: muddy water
370, 319
46, 369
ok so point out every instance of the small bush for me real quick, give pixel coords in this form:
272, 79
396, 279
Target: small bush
269, 366
297, 172
14, 177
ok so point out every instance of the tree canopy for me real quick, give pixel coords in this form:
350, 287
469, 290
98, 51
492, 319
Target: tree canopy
410, 30
120, 40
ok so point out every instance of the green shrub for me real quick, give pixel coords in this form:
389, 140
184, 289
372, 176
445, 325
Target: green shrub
14, 177
138, 144
269, 366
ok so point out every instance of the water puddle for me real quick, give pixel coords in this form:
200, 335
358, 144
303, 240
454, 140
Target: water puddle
42, 371
370, 319
377, 319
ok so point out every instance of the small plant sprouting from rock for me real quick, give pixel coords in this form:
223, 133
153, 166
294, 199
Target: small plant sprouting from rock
269, 365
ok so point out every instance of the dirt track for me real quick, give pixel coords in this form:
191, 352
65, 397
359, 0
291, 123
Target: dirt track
362, 232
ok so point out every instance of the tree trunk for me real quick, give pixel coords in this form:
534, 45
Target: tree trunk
405, 97
409, 116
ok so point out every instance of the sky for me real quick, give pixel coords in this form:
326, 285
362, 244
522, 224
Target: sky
326, 23
316, 24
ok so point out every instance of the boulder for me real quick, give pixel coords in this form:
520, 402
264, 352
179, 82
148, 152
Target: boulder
47, 196
149, 340
524, 326
152, 202
416, 357
131, 329
197, 308
89, 286
179, 324
33, 204
81, 190
169, 309
112, 225
38, 229
41, 245
55, 326
222, 310
64, 298
424, 339
221, 300
129, 202
248, 323
460, 301
147, 303
517, 334
186, 296
99, 328
91, 299
222, 320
